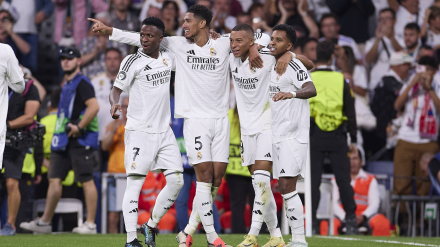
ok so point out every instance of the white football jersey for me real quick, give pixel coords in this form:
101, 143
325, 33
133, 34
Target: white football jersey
252, 92
147, 81
202, 81
290, 117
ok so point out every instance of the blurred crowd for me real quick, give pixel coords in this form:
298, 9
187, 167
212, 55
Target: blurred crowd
387, 50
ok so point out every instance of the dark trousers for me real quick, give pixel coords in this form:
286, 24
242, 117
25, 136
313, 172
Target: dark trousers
334, 145
239, 187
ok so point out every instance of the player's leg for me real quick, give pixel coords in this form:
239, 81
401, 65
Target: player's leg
291, 163
168, 161
138, 159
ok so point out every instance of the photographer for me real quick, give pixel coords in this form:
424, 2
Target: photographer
74, 141
419, 128
21, 112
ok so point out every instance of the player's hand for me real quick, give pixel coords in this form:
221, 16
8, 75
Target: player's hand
214, 34
283, 62
39, 17
37, 179
7, 26
98, 26
114, 110
74, 131
255, 58
282, 96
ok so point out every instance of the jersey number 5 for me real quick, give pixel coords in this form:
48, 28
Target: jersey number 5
198, 142
136, 153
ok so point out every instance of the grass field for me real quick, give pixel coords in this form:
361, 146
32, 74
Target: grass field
168, 240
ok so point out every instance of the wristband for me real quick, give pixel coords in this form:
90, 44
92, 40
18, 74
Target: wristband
294, 94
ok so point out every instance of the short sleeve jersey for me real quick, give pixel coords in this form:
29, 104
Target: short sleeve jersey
147, 81
251, 90
202, 81
290, 117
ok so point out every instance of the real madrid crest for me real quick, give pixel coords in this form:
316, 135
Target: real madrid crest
199, 155
101, 82
242, 159
253, 70
278, 77
133, 166
165, 62
212, 51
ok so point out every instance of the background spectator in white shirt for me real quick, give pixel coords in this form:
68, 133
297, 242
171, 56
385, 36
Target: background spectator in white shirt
170, 17
433, 32
222, 21
411, 39
406, 13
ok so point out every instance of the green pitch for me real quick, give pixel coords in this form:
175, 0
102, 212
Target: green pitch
168, 240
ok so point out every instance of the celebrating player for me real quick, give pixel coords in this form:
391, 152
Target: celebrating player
290, 128
150, 144
252, 92
202, 99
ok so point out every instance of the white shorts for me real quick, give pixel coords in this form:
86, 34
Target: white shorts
206, 139
154, 152
256, 147
289, 158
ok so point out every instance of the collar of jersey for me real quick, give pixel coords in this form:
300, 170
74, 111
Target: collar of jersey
140, 52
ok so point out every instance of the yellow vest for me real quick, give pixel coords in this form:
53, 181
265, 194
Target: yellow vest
49, 122
29, 164
327, 107
234, 167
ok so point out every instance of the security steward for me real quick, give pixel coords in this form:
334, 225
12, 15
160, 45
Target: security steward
332, 116
22, 109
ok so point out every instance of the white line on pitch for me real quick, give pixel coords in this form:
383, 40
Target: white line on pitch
378, 241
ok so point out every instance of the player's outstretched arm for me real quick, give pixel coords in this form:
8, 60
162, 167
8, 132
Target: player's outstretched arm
14, 72
122, 36
114, 96
307, 62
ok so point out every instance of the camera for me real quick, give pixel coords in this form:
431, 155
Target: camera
25, 138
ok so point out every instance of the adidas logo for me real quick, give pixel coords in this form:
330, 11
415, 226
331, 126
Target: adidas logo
292, 218
133, 211
257, 212
209, 213
191, 52
267, 155
235, 71
282, 171
147, 68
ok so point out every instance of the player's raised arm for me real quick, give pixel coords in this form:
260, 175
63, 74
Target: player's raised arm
14, 72
122, 36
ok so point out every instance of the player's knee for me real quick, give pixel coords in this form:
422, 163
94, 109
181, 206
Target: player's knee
174, 179
11, 185
285, 187
205, 176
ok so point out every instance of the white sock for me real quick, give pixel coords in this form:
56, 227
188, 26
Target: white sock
130, 205
295, 216
271, 219
204, 208
166, 197
194, 218
262, 200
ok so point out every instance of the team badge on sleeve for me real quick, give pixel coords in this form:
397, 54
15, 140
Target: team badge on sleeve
199, 155
213, 52
122, 75
165, 62
133, 166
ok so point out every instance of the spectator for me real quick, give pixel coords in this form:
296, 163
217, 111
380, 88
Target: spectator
353, 16
93, 49
386, 93
244, 18
122, 18
419, 129
366, 195
222, 21
433, 33
411, 39
205, 3
158, 4
33, 15
8, 36
406, 13
74, 141
328, 132
154, 12
103, 84
379, 48
293, 13
425, 50
238, 178
318, 8
330, 29
308, 49
6, 5
258, 19
170, 17
71, 20
433, 169
22, 109
114, 143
